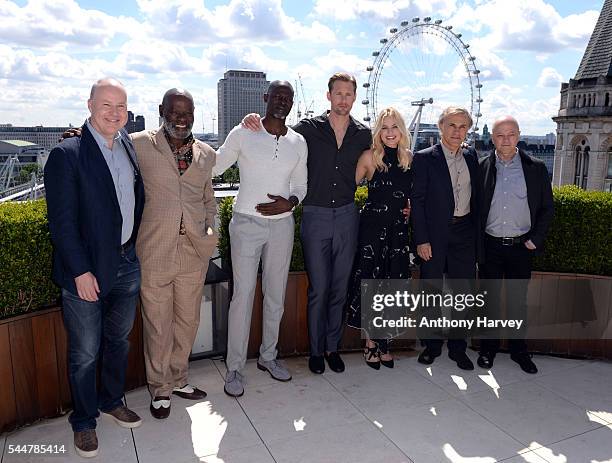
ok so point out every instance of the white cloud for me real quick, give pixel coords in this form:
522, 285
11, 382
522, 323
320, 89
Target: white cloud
25, 65
138, 57
574, 30
531, 25
322, 67
220, 57
47, 24
533, 114
382, 10
550, 77
43, 103
491, 66
239, 21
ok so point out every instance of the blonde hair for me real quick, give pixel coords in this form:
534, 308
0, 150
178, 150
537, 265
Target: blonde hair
451, 111
404, 155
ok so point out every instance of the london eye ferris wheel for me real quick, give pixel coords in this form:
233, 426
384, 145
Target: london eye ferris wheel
420, 69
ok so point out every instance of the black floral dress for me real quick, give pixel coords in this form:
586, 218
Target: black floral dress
384, 236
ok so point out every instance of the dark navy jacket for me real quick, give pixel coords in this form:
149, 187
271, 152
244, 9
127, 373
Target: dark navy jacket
83, 211
433, 202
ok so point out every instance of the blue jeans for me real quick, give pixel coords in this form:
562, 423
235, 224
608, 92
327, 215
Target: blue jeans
96, 329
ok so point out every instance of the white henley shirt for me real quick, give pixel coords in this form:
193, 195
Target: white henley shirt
268, 165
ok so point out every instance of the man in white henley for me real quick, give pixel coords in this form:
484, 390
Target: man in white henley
273, 178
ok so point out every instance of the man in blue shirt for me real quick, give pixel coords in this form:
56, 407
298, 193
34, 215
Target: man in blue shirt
95, 199
515, 215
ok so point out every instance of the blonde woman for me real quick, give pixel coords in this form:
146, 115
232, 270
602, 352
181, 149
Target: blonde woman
383, 250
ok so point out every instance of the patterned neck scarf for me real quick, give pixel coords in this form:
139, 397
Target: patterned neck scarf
182, 155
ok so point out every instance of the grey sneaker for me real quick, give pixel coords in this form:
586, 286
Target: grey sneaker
86, 443
277, 370
234, 384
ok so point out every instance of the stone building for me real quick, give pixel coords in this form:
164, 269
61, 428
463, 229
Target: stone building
239, 93
583, 152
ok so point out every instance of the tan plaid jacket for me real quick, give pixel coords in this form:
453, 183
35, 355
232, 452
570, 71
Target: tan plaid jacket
169, 195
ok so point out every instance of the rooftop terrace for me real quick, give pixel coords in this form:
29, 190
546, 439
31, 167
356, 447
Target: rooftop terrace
408, 414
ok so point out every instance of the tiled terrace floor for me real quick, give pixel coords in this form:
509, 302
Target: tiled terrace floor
408, 414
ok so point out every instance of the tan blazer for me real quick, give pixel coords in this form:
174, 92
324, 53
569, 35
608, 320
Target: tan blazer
169, 195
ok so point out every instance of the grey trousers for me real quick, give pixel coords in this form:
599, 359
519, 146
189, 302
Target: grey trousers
253, 238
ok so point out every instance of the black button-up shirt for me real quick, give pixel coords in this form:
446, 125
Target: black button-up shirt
331, 171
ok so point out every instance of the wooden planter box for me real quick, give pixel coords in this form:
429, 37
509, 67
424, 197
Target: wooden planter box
293, 336
590, 348
33, 350
33, 367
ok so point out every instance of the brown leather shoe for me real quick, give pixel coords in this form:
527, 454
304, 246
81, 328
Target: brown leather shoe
189, 392
86, 443
160, 407
124, 417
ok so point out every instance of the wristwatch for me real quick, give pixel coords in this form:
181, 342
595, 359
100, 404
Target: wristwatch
294, 200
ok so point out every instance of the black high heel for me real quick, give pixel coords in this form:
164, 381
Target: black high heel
370, 355
385, 363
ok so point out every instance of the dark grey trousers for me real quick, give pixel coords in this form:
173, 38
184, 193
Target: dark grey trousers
329, 240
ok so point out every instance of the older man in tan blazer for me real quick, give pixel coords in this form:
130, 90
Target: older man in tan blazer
174, 245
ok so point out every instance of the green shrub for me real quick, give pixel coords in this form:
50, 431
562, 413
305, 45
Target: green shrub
580, 237
25, 258
579, 241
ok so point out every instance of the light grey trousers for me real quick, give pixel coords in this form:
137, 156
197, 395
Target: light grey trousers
254, 238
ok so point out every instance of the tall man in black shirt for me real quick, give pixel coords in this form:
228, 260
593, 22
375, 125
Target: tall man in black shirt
330, 219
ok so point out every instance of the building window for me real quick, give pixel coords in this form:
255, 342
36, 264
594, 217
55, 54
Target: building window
608, 180
581, 172
607, 99
577, 166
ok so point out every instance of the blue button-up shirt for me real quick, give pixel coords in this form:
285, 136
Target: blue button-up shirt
123, 177
509, 215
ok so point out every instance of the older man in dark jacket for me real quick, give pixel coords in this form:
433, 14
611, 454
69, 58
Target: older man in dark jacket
516, 212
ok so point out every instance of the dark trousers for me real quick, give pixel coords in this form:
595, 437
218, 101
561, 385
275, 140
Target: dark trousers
458, 263
96, 329
512, 263
329, 241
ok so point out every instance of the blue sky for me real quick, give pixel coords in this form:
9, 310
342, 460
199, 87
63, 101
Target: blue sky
52, 51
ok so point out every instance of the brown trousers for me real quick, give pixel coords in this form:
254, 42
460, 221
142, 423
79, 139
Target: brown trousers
171, 300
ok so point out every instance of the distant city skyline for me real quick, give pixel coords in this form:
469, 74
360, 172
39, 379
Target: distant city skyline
51, 52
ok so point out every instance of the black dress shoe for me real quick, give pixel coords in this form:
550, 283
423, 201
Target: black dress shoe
189, 392
335, 362
427, 357
463, 361
525, 362
485, 360
158, 409
316, 364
